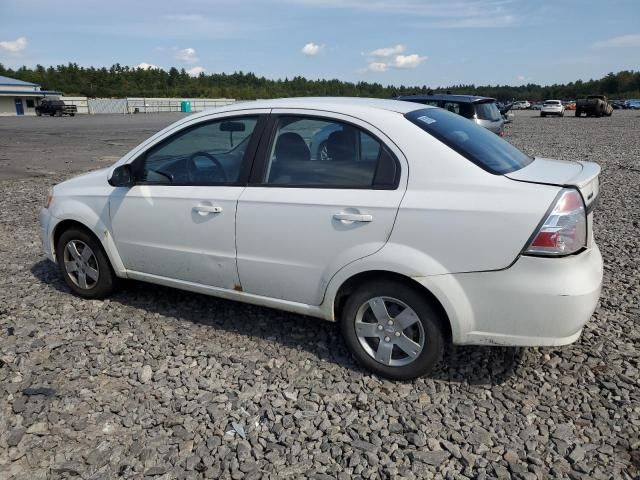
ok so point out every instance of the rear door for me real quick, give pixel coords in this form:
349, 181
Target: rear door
305, 216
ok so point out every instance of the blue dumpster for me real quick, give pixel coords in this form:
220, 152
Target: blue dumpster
185, 106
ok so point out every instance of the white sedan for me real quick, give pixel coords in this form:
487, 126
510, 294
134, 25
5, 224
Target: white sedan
416, 228
552, 107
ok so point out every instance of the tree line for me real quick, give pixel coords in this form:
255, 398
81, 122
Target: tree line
124, 81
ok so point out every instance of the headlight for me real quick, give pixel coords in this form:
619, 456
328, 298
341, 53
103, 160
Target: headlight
49, 201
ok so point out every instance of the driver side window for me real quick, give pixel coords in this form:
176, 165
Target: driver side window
209, 153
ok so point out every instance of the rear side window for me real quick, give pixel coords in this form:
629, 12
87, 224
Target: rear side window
479, 145
315, 152
487, 111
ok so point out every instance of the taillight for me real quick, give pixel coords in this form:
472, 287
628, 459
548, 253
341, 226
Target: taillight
564, 231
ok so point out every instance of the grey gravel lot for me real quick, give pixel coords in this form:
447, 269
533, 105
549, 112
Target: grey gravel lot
166, 384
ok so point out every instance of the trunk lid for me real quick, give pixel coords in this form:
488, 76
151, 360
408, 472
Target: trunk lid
581, 175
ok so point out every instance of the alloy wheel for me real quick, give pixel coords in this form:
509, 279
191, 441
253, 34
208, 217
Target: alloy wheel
81, 264
389, 331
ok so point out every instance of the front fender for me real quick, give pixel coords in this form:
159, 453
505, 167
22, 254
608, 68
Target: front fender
93, 218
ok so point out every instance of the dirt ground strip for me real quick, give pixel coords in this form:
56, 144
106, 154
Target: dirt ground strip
166, 384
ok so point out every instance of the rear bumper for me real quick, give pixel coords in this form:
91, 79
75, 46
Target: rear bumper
536, 302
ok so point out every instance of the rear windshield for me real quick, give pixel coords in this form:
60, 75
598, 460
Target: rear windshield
477, 144
487, 111
552, 102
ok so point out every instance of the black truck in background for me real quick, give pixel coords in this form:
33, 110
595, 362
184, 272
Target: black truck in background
55, 108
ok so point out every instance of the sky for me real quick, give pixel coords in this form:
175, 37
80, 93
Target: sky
402, 42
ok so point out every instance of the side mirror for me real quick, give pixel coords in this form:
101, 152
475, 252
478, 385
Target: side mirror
122, 176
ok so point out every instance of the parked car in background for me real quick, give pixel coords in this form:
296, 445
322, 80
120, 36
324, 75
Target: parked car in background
55, 108
521, 105
552, 107
593, 106
633, 104
570, 105
447, 234
481, 110
618, 104
536, 106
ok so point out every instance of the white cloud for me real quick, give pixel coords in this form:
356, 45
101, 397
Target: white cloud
382, 59
387, 51
187, 55
311, 49
195, 71
632, 40
521, 78
377, 67
14, 47
408, 61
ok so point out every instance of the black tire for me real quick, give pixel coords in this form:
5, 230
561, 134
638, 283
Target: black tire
430, 330
38, 113
72, 114
542, 114
578, 112
58, 113
106, 278
52, 114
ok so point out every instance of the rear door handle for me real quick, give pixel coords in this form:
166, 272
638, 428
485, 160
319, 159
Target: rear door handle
353, 217
207, 209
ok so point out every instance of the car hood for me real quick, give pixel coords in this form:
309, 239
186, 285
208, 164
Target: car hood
94, 178
581, 175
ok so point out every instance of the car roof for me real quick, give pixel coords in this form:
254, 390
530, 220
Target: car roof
354, 106
446, 97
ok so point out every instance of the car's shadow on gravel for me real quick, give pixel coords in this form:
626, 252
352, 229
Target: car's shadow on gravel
461, 364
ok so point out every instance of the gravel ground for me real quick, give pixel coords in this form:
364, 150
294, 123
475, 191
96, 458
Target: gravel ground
161, 383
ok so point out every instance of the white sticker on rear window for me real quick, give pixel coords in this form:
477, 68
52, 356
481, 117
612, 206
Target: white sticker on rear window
426, 120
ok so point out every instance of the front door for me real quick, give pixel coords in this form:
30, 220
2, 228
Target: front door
178, 220
325, 193
19, 107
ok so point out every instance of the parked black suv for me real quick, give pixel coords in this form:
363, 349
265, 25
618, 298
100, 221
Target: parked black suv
482, 110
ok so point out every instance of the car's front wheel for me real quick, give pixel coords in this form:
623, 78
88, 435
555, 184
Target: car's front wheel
392, 330
84, 264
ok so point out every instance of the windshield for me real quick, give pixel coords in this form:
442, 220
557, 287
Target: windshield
477, 144
552, 102
487, 111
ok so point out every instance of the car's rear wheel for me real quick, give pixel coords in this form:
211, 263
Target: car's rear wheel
58, 113
392, 330
84, 264
38, 113
578, 112
542, 114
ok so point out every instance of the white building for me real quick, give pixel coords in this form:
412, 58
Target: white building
20, 98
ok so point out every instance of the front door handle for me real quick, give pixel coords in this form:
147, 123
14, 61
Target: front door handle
353, 217
207, 209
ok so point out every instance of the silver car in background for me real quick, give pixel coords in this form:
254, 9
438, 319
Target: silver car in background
481, 110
